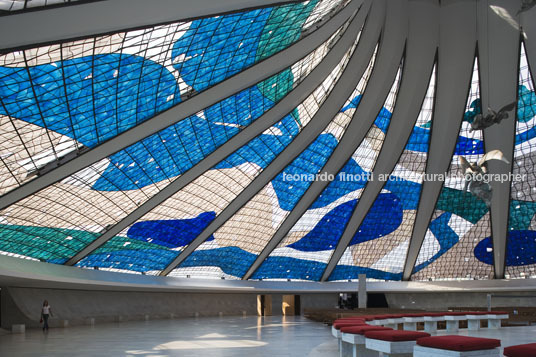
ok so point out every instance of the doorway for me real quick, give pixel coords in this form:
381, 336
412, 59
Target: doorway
291, 305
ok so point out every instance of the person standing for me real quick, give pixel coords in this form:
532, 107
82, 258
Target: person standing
45, 313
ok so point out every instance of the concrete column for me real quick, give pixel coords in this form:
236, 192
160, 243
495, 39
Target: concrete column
410, 326
453, 326
264, 305
362, 291
430, 326
494, 324
473, 325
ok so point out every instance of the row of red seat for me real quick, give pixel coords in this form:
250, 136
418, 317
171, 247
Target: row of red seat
364, 318
358, 325
452, 342
422, 314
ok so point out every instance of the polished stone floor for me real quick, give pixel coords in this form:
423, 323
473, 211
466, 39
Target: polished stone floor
226, 336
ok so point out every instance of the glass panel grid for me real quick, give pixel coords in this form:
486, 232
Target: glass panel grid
104, 193
184, 215
521, 240
460, 220
307, 248
58, 99
384, 257
233, 248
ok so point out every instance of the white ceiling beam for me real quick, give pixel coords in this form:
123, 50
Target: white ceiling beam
31, 274
498, 51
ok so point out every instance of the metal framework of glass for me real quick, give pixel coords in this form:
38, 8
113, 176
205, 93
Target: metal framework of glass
232, 248
381, 254
180, 218
61, 100
301, 255
79, 94
521, 243
460, 219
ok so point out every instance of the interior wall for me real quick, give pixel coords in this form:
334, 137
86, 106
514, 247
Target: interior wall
22, 305
78, 307
318, 301
442, 301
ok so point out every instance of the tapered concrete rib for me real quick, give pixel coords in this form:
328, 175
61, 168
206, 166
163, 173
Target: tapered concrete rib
498, 48
528, 25
89, 19
421, 48
332, 104
286, 105
230, 86
455, 64
383, 75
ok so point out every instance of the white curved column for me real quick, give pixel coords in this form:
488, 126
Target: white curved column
457, 39
498, 51
528, 27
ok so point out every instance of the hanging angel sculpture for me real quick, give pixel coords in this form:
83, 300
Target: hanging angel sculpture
474, 174
481, 122
526, 5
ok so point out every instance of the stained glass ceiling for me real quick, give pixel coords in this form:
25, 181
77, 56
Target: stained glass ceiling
62, 100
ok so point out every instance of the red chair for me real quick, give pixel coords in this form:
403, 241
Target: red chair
528, 350
336, 327
353, 339
458, 346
